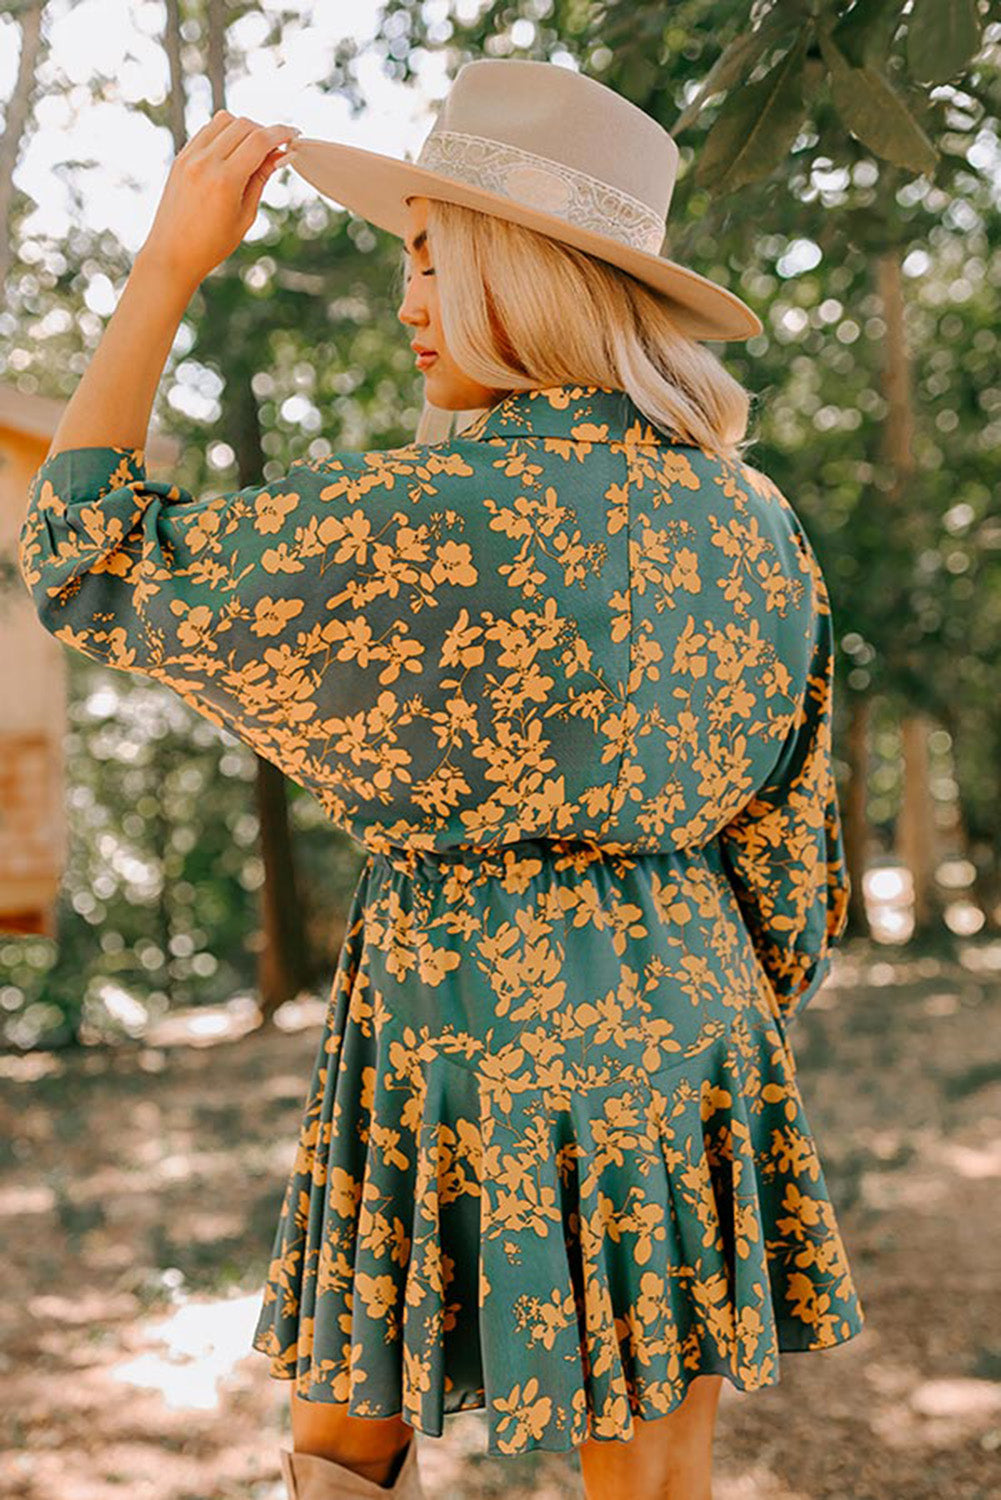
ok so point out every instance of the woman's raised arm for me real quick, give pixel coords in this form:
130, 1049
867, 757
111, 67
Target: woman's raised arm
209, 202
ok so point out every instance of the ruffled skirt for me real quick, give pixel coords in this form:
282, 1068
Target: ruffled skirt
558, 1206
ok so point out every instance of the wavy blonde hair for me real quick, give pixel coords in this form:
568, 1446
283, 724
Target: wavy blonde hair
520, 310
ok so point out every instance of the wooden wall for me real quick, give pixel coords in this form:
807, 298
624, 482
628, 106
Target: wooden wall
33, 833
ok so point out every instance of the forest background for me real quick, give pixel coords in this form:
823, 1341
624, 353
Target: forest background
841, 170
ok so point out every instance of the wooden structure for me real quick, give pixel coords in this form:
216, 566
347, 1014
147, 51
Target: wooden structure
33, 842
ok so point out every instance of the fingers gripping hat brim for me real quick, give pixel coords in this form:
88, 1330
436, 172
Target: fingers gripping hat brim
376, 187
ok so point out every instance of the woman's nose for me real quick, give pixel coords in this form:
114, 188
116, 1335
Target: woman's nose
405, 312
410, 309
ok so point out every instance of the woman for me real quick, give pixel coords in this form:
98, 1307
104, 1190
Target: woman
566, 676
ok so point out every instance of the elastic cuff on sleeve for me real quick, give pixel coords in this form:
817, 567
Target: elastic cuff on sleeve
89, 473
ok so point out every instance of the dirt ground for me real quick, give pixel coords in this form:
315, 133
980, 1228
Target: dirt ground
139, 1191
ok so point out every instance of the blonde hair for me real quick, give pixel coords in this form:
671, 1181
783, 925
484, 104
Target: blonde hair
520, 311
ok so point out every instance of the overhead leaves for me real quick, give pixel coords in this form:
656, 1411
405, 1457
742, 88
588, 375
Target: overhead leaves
863, 35
942, 37
734, 63
875, 114
756, 126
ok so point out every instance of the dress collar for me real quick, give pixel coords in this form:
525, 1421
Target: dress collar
593, 413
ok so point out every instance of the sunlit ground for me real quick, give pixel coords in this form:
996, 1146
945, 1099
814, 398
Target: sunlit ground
200, 1343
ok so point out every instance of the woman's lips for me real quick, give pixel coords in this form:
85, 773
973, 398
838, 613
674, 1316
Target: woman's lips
423, 360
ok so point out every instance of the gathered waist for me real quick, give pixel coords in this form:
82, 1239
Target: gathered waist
517, 856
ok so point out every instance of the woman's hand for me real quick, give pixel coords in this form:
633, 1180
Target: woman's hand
211, 195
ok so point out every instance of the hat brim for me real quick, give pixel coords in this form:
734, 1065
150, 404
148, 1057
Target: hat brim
376, 188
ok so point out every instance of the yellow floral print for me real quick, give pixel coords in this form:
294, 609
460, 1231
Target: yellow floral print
568, 682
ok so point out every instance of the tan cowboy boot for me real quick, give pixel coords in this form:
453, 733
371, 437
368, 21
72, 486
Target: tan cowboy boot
309, 1477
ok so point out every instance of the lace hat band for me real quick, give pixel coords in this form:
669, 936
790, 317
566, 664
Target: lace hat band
550, 148
543, 183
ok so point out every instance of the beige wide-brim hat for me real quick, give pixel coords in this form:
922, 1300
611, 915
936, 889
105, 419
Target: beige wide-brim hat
543, 146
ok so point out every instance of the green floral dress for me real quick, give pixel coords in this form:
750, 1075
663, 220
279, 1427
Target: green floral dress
568, 681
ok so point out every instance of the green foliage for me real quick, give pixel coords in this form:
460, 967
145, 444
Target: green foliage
757, 125
813, 142
159, 906
875, 114
864, 32
942, 36
735, 63
294, 339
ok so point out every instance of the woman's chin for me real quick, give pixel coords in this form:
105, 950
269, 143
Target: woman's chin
450, 394
441, 391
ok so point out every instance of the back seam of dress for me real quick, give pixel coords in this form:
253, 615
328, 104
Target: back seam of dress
627, 686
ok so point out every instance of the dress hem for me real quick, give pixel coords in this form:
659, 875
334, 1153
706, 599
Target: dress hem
789, 1342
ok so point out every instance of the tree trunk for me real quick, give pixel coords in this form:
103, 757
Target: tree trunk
856, 817
18, 109
283, 963
916, 824
217, 53
916, 835
175, 99
283, 966
898, 433
980, 845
